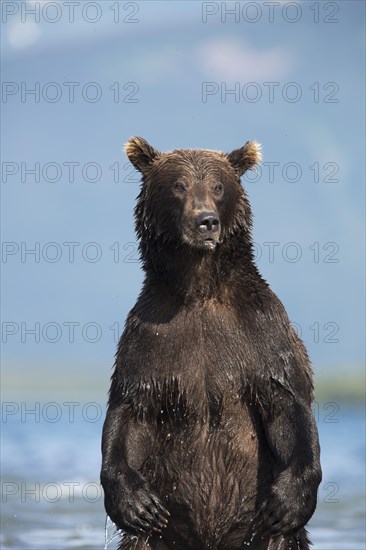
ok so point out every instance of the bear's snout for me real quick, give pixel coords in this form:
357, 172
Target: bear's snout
208, 224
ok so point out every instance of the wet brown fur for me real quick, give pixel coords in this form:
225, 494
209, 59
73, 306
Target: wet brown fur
209, 416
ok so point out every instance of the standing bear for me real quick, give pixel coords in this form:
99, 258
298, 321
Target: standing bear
209, 441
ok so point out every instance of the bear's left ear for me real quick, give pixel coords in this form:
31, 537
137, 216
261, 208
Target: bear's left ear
246, 157
140, 153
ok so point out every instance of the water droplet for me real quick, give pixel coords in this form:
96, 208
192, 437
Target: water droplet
111, 531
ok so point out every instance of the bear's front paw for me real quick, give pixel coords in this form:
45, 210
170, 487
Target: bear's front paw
290, 505
133, 506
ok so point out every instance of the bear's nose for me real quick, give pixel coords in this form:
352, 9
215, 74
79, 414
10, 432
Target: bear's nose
208, 222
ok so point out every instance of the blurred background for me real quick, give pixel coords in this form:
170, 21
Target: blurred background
79, 79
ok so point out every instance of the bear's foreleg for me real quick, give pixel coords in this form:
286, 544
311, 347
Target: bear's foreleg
293, 438
299, 541
129, 500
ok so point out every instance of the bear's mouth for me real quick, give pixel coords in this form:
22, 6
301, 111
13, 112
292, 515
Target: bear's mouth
201, 242
210, 243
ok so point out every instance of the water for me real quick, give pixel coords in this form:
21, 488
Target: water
51, 496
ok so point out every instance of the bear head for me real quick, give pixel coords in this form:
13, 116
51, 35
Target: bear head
191, 196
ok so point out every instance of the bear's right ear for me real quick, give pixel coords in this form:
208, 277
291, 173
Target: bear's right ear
140, 153
245, 158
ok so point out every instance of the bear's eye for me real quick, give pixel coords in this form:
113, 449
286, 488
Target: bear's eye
180, 187
218, 189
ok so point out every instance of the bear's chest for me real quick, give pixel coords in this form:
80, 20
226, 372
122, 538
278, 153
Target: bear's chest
207, 340
198, 362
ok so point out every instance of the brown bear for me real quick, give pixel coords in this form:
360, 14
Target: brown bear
209, 441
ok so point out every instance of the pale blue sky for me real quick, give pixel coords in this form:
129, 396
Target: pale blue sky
161, 63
